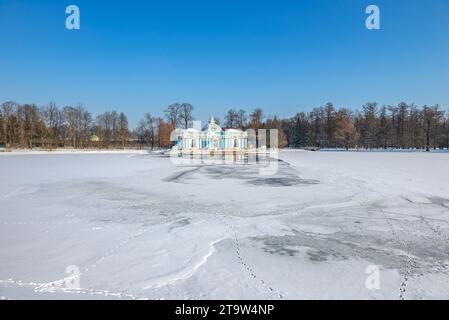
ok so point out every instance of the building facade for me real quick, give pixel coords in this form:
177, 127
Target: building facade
212, 138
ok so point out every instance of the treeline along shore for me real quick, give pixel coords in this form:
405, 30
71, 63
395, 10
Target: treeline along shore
372, 126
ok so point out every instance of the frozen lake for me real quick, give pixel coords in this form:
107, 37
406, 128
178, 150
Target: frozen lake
138, 227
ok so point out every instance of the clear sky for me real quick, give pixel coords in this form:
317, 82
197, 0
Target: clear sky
283, 56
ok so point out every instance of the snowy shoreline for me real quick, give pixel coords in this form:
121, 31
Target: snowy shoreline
71, 151
145, 151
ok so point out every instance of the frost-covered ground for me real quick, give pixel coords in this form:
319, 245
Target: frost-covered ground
138, 227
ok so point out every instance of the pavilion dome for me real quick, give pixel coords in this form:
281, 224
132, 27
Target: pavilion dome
212, 127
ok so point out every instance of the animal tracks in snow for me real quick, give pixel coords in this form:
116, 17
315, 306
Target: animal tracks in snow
57, 287
243, 262
409, 263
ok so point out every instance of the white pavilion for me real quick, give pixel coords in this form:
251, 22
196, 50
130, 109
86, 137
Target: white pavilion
212, 138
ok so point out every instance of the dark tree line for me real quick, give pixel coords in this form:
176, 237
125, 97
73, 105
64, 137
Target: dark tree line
372, 126
403, 126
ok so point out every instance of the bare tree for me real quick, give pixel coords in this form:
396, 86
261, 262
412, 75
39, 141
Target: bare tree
172, 113
164, 131
2, 132
150, 123
53, 119
140, 132
384, 128
446, 129
256, 118
115, 126
403, 109
186, 114
231, 119
437, 116
369, 124
241, 119
428, 116
77, 121
85, 126
345, 131
330, 124
29, 124
9, 110
104, 127
123, 130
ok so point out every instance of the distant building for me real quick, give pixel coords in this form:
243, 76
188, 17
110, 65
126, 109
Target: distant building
212, 138
94, 138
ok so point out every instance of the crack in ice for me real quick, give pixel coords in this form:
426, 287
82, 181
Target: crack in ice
185, 274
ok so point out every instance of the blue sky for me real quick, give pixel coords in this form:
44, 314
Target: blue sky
283, 56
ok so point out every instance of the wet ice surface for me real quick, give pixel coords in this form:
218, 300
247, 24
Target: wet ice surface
137, 227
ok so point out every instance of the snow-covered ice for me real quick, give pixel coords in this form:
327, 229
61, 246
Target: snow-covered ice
138, 227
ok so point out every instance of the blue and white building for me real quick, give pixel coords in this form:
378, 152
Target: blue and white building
212, 138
